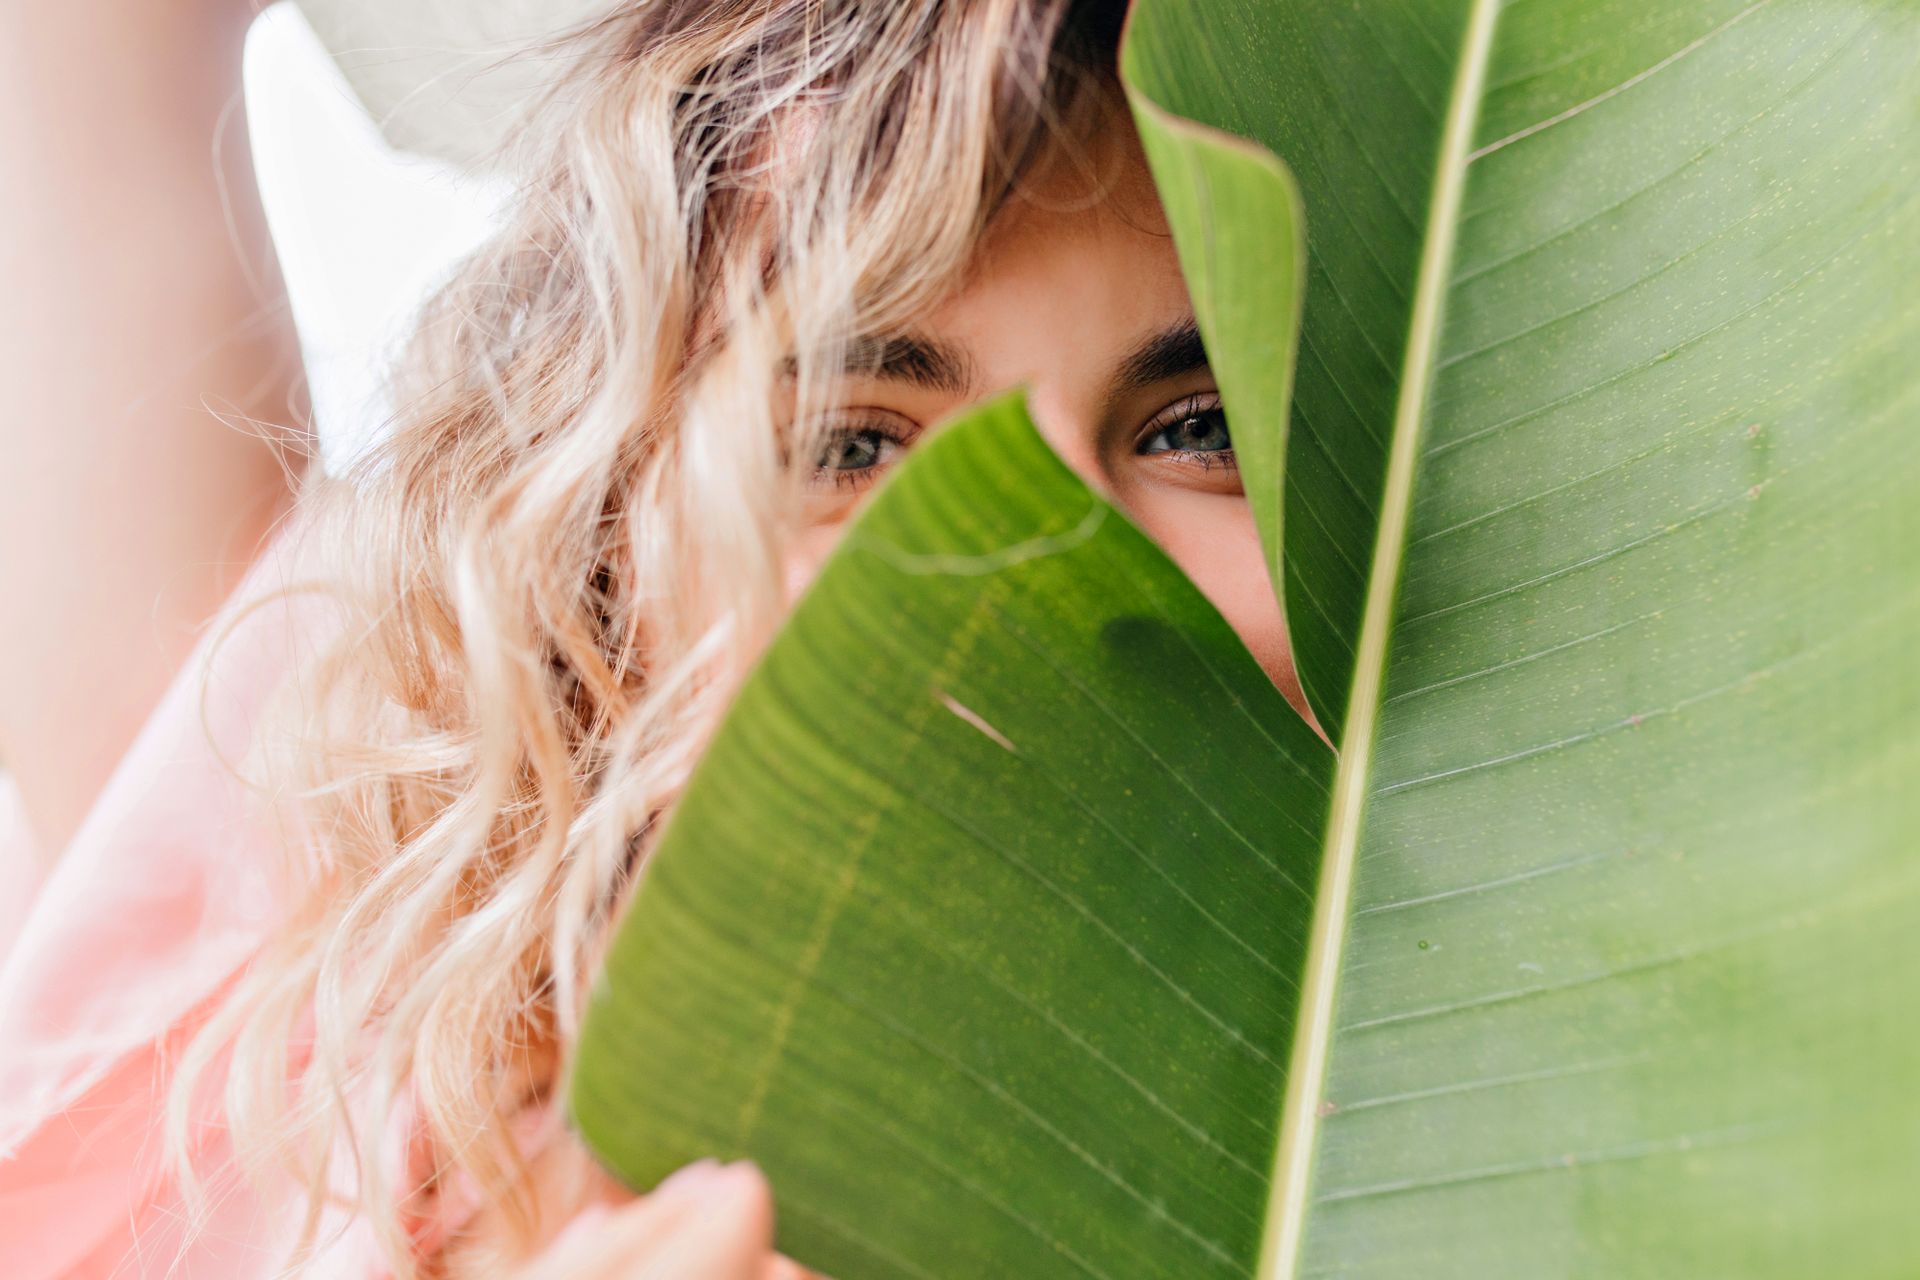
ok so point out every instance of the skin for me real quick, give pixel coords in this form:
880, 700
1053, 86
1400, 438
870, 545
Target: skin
707, 1222
141, 309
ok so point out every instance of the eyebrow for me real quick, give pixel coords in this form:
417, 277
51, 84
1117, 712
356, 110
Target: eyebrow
913, 358
940, 366
1168, 354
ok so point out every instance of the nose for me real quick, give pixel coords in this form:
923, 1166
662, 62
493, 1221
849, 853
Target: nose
1073, 429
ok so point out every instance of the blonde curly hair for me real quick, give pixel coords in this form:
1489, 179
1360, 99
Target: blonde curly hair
561, 561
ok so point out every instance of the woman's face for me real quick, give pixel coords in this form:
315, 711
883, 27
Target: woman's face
1080, 299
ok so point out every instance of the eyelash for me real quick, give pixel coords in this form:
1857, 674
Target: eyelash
1173, 415
900, 435
896, 434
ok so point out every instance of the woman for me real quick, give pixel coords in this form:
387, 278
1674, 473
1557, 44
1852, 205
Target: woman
763, 246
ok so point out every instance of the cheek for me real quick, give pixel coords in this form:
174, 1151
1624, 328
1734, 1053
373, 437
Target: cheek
807, 550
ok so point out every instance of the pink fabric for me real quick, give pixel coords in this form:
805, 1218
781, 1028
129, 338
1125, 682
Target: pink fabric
162, 897
110, 961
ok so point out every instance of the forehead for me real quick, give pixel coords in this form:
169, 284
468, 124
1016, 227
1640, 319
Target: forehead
1092, 183
1079, 263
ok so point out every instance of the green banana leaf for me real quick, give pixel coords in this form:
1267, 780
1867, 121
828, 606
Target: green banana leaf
1017, 926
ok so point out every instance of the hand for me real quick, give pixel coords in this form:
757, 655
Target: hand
707, 1222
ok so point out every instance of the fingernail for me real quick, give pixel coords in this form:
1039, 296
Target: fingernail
687, 1182
741, 1173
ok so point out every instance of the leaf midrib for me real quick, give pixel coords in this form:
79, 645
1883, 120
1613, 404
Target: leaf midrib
1281, 1245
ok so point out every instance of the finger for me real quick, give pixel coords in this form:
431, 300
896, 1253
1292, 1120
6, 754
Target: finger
607, 1242
578, 1251
722, 1227
784, 1268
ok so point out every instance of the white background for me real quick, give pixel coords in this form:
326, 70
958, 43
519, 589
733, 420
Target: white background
362, 231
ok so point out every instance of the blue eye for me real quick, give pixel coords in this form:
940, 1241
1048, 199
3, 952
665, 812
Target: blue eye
856, 454
1196, 425
855, 451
